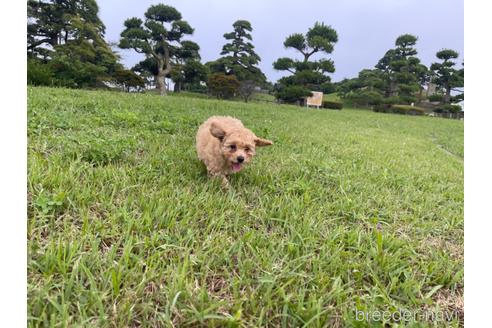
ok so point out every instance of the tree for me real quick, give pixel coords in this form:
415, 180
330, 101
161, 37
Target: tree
307, 74
446, 76
292, 93
160, 38
189, 52
147, 69
195, 76
81, 64
423, 77
187, 71
399, 67
365, 90
364, 98
128, 79
39, 73
54, 22
247, 89
222, 86
239, 57
371, 79
68, 37
345, 86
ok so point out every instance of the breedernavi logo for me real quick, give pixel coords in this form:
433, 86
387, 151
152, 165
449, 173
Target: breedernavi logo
407, 316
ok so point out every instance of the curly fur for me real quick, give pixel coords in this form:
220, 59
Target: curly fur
224, 145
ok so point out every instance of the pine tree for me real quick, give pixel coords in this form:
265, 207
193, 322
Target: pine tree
446, 76
159, 38
307, 74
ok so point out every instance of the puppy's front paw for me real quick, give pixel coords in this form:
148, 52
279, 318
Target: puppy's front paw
225, 183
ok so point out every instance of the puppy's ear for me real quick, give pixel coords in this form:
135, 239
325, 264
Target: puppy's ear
262, 142
217, 131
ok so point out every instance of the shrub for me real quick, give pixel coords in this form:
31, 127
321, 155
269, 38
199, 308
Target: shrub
382, 108
39, 73
332, 104
327, 88
292, 93
195, 87
408, 110
364, 98
385, 105
435, 97
222, 86
127, 80
448, 108
391, 100
247, 89
407, 99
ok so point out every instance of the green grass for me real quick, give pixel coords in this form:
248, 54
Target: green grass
332, 97
348, 210
263, 97
256, 97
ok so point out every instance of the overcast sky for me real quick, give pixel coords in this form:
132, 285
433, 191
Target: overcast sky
366, 29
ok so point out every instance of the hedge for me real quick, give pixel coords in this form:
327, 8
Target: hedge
406, 109
435, 97
400, 109
448, 108
332, 104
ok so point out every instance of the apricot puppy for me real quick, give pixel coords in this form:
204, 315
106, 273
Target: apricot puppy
224, 145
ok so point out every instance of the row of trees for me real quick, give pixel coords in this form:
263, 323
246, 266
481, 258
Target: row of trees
160, 39
399, 77
66, 47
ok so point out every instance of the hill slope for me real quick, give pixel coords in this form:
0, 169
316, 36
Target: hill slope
348, 210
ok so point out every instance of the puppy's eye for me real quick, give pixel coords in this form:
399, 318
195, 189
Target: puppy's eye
247, 149
232, 147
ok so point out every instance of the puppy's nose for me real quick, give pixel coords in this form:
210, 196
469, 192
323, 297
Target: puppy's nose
240, 159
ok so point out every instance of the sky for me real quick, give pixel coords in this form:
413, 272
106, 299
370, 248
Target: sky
366, 29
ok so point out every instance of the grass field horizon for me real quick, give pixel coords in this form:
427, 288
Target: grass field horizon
348, 211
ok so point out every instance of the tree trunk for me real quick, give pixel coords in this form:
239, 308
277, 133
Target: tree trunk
177, 86
54, 39
447, 96
161, 85
392, 88
163, 68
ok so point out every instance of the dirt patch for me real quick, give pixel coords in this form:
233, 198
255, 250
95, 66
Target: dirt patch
451, 301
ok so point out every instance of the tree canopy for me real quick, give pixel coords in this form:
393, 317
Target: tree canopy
239, 57
399, 67
158, 37
398, 77
66, 46
67, 37
446, 76
308, 75
53, 22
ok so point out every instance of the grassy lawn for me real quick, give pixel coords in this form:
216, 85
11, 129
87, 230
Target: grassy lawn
348, 210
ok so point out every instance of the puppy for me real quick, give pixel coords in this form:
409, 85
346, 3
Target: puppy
224, 145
